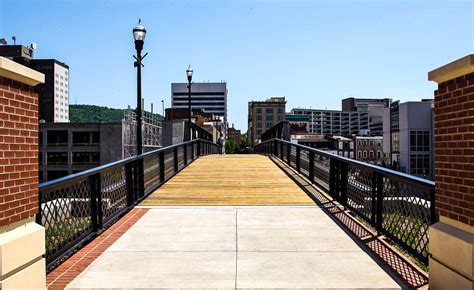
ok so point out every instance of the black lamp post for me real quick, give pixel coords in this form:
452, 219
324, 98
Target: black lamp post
139, 33
189, 74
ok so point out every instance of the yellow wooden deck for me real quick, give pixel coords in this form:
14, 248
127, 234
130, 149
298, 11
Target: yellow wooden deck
229, 180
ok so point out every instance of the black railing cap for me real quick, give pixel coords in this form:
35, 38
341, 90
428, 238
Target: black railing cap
397, 174
86, 173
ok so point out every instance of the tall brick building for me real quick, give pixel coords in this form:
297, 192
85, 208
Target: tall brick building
22, 242
452, 238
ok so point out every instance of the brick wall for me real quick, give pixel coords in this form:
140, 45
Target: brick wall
18, 151
454, 148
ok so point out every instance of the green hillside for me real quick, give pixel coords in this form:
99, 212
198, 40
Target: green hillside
92, 113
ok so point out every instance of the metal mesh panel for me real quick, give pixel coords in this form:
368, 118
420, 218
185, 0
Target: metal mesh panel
152, 171
359, 191
180, 157
293, 156
113, 191
169, 164
66, 215
321, 171
304, 162
406, 215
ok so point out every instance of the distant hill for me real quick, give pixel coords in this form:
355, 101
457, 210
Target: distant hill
92, 113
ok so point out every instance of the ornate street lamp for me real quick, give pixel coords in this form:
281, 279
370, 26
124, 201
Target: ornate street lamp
139, 34
189, 74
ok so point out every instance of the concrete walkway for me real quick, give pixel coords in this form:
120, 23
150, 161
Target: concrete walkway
230, 247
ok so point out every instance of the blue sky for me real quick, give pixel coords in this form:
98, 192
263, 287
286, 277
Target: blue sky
312, 52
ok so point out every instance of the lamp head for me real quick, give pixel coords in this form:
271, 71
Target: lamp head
189, 73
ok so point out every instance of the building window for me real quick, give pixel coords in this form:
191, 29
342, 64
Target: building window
396, 141
419, 141
57, 138
371, 154
259, 124
420, 164
259, 132
359, 154
269, 125
269, 111
359, 142
379, 154
280, 117
280, 110
365, 142
269, 118
259, 117
259, 110
371, 142
365, 154
56, 158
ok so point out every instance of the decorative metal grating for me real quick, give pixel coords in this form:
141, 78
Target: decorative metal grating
398, 205
113, 191
66, 215
74, 207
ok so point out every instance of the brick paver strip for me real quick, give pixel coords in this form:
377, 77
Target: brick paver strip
60, 277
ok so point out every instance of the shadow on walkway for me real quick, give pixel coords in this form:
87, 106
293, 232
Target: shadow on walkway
396, 265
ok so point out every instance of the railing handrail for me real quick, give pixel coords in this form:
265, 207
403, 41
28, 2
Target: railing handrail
86, 173
399, 175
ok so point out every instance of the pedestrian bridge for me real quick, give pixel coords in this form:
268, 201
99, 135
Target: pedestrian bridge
214, 222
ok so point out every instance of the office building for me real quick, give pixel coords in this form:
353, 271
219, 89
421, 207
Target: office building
330, 122
210, 98
263, 115
408, 130
54, 92
67, 148
373, 106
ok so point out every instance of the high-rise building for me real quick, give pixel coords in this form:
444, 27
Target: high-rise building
54, 93
329, 122
263, 115
408, 130
373, 106
211, 98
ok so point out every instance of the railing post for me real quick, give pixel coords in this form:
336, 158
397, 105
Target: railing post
192, 151
275, 147
343, 171
175, 159
332, 178
288, 153
141, 177
93, 201
185, 153
281, 151
162, 166
311, 166
198, 148
129, 182
379, 215
373, 211
298, 155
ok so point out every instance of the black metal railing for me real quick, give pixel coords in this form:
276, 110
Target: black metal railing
281, 130
198, 132
398, 205
74, 208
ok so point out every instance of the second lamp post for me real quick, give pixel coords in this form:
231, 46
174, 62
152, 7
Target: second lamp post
189, 74
139, 33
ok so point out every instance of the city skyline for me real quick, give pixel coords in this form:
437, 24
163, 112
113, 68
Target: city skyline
297, 50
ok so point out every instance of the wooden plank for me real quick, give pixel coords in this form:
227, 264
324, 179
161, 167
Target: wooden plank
229, 180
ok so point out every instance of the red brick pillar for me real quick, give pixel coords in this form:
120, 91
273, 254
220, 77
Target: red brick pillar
452, 238
21, 239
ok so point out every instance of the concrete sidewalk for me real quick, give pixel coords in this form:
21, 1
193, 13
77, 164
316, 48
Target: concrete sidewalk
234, 247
